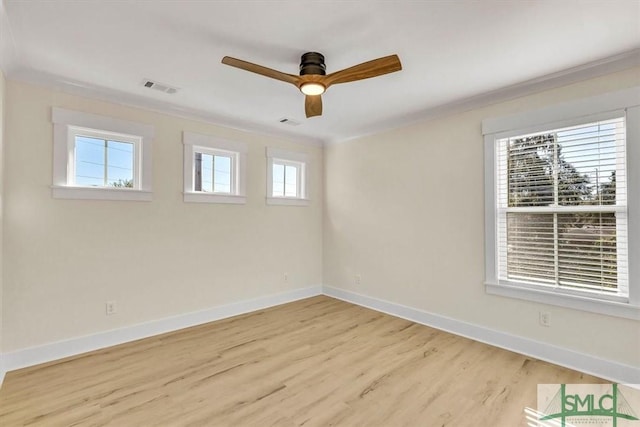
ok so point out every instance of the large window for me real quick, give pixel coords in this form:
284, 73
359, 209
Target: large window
559, 228
98, 157
562, 215
214, 169
287, 178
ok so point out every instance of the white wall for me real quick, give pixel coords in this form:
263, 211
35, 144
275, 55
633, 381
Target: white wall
404, 209
64, 259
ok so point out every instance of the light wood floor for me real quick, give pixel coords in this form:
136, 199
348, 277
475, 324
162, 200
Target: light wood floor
315, 362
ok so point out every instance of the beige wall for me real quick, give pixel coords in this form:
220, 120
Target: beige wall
404, 209
64, 259
2, 113
393, 213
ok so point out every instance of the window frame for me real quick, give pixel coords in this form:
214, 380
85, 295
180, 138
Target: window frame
67, 124
208, 144
76, 131
288, 158
299, 173
554, 117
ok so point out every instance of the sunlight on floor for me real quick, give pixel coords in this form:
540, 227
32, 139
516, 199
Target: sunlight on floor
533, 419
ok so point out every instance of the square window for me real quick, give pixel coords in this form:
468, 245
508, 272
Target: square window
214, 169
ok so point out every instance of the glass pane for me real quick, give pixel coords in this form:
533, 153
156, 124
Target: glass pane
197, 171
587, 252
530, 247
120, 164
569, 166
586, 249
291, 181
278, 180
222, 174
206, 178
587, 164
89, 158
530, 163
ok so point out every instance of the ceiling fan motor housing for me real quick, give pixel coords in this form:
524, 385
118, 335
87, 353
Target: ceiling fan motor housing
312, 63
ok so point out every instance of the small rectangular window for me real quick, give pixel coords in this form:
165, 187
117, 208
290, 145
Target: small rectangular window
214, 169
287, 177
97, 157
103, 162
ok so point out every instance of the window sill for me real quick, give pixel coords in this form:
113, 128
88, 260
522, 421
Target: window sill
287, 201
198, 197
90, 193
584, 303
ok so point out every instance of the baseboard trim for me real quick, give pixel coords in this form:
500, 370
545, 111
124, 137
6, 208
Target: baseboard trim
592, 365
71, 347
606, 369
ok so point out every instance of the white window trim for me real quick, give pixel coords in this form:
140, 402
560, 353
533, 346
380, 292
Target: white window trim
287, 156
556, 117
195, 142
65, 124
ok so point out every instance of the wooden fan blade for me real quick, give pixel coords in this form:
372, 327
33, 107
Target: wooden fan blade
366, 70
259, 69
313, 105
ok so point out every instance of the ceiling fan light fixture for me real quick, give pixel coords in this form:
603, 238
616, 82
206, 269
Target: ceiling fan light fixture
312, 88
313, 80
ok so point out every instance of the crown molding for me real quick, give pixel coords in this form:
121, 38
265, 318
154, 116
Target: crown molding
601, 67
611, 64
100, 93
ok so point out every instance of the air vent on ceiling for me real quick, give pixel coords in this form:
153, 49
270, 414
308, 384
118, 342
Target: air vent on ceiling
159, 86
289, 122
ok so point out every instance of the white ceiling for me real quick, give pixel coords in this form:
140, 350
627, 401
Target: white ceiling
451, 51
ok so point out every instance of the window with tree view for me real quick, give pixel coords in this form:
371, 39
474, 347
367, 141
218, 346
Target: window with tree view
562, 216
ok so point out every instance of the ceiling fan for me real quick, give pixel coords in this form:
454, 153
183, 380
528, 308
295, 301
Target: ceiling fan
313, 80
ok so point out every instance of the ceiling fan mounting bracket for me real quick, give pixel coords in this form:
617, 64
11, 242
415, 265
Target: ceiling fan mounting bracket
312, 63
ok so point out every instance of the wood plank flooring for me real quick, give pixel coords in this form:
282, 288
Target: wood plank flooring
314, 362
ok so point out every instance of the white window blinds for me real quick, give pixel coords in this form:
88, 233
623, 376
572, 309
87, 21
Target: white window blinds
562, 208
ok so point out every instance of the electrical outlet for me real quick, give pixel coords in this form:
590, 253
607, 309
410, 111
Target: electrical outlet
285, 277
358, 279
110, 308
544, 318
